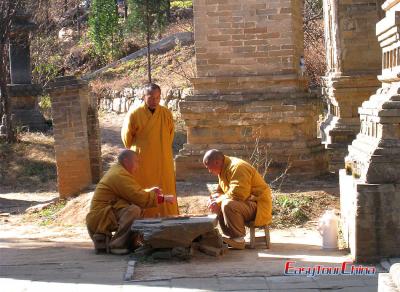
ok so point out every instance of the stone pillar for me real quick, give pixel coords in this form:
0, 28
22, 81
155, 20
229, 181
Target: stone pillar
249, 87
23, 94
76, 134
353, 62
94, 139
370, 184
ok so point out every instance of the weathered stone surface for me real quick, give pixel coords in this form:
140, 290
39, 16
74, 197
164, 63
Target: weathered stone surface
212, 238
283, 125
250, 87
353, 61
370, 192
173, 232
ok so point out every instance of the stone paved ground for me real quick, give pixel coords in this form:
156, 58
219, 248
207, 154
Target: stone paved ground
61, 258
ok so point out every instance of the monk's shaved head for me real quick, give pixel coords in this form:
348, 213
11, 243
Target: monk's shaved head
129, 160
126, 154
212, 156
151, 87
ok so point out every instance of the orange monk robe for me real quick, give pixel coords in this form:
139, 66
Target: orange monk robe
151, 136
241, 181
116, 190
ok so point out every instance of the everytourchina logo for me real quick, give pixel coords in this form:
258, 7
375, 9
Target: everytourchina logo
347, 268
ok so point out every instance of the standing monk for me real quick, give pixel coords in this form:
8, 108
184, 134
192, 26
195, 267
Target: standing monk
149, 131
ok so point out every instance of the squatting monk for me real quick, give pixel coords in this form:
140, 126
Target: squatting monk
117, 201
242, 196
149, 130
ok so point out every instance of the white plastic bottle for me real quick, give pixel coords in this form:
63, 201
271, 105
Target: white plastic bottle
328, 228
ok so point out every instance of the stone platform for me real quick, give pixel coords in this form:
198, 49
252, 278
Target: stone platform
24, 105
280, 127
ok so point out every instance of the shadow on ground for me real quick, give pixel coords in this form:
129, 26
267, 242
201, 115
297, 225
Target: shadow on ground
14, 206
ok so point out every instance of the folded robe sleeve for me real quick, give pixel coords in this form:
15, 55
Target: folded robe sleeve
128, 130
130, 191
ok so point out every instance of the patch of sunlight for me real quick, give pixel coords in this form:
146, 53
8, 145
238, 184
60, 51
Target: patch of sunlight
336, 259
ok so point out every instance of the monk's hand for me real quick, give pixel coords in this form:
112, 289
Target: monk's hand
157, 190
213, 206
214, 196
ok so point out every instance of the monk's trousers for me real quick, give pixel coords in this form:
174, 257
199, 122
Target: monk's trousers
124, 218
233, 216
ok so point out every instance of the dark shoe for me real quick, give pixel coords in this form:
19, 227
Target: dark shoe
101, 242
235, 243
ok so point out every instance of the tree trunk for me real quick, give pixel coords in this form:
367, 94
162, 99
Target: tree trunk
126, 9
148, 42
10, 134
78, 22
168, 10
148, 56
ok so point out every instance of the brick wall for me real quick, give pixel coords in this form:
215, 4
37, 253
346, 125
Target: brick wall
76, 134
246, 38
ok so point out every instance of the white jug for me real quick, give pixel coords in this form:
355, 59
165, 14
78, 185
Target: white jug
328, 228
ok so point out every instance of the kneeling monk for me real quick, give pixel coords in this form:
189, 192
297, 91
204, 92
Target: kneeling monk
117, 201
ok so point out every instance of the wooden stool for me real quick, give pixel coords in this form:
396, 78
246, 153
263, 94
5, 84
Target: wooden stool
253, 238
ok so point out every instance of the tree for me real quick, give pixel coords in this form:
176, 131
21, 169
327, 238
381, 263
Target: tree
104, 27
8, 9
148, 18
314, 48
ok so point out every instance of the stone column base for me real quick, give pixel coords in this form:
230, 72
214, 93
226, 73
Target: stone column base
344, 95
336, 136
24, 106
370, 218
282, 125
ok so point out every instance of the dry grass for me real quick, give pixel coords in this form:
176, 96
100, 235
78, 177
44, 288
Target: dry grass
171, 69
298, 209
28, 165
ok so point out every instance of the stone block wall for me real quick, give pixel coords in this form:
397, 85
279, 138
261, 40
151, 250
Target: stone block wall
249, 87
24, 106
369, 187
353, 61
76, 134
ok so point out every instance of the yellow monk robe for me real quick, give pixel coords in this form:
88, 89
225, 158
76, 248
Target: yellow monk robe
151, 136
239, 180
116, 190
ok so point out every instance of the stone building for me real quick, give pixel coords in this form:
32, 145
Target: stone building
353, 62
370, 184
250, 88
